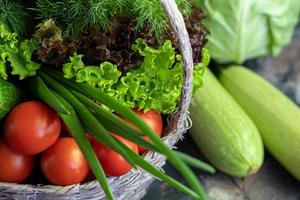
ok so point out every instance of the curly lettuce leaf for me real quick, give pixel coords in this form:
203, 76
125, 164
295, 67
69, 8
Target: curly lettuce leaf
8, 43
102, 77
244, 29
16, 54
70, 69
200, 69
156, 84
162, 70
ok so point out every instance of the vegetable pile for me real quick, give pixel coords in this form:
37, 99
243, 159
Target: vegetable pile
275, 115
234, 117
94, 91
97, 91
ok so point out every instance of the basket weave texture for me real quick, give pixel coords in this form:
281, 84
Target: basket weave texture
133, 185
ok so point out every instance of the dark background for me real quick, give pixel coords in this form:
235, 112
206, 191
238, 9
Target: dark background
272, 182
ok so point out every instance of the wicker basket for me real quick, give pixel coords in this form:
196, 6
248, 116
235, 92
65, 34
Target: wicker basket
134, 184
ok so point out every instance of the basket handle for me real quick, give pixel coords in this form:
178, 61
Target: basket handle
182, 36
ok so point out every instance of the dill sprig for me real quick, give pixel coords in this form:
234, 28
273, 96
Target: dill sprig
15, 16
151, 12
77, 16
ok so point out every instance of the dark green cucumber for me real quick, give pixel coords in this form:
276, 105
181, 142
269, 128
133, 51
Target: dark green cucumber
9, 96
223, 131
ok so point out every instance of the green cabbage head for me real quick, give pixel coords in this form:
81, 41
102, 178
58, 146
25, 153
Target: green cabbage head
246, 29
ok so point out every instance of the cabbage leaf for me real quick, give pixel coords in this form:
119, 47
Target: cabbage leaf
245, 29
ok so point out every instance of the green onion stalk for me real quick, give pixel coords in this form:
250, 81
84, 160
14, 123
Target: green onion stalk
72, 101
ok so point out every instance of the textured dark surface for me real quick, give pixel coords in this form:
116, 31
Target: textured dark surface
272, 182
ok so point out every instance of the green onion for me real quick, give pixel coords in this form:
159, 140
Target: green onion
133, 155
115, 124
104, 114
68, 115
158, 173
195, 162
126, 112
87, 118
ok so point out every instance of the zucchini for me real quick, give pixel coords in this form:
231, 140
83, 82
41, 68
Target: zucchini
276, 116
9, 96
223, 131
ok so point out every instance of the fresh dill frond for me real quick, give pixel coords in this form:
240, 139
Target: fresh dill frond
77, 16
100, 12
15, 17
185, 7
66, 14
151, 13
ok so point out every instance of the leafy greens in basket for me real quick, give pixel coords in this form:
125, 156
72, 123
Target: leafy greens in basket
17, 54
101, 14
156, 84
73, 99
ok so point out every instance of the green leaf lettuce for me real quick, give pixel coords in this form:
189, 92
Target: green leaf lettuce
156, 84
16, 54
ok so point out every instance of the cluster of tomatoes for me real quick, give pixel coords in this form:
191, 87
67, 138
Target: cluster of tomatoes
33, 128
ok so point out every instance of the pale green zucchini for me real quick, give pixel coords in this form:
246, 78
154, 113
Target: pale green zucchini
223, 131
276, 116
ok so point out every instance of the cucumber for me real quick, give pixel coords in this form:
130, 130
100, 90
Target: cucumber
9, 96
276, 116
223, 131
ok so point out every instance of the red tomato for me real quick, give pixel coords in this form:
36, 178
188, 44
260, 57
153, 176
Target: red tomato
113, 163
31, 127
14, 167
152, 119
63, 163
